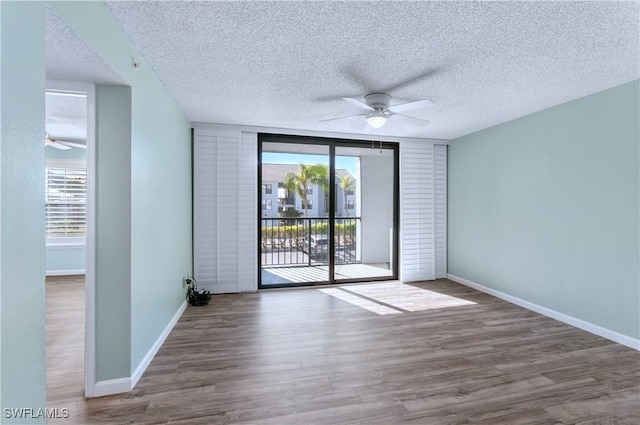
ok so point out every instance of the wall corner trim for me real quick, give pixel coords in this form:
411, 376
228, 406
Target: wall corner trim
570, 320
146, 360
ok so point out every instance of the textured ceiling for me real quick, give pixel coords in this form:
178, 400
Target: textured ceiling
69, 58
287, 64
66, 116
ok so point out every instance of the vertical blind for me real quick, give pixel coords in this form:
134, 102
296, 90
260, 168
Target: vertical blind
66, 202
225, 211
423, 211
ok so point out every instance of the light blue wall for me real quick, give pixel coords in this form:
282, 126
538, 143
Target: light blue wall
73, 154
113, 232
22, 358
65, 260
160, 184
161, 241
545, 208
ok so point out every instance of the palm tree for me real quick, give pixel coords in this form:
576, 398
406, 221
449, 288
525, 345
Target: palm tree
347, 183
308, 174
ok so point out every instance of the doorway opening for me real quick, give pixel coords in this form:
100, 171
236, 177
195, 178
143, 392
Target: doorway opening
68, 220
328, 211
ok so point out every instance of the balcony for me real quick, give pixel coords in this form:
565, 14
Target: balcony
295, 250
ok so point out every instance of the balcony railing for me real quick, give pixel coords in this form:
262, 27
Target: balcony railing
304, 241
286, 201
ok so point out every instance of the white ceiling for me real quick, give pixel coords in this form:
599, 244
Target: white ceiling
66, 116
287, 64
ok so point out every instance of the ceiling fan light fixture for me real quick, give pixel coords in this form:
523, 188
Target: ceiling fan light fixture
377, 119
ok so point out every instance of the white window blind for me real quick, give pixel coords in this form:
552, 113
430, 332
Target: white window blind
225, 213
66, 202
423, 211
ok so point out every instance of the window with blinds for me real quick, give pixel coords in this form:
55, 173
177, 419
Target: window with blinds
66, 202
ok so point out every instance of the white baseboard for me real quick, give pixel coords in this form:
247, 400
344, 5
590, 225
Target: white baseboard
65, 272
111, 386
146, 360
565, 318
123, 385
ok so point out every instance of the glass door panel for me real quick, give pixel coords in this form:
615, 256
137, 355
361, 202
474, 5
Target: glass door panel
294, 218
365, 240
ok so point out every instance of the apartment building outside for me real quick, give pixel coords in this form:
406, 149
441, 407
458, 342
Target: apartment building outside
278, 201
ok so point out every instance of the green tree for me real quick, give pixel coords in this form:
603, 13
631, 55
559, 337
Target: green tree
290, 213
347, 183
308, 174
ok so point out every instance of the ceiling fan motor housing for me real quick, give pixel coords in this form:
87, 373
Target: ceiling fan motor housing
379, 101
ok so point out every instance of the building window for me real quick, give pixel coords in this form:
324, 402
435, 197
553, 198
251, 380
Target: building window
266, 189
66, 202
266, 204
309, 204
309, 190
349, 192
350, 205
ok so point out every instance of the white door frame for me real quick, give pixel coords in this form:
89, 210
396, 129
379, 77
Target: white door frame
89, 312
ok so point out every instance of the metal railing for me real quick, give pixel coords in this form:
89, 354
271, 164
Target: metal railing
304, 241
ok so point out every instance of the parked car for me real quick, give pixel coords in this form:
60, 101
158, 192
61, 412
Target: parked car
317, 246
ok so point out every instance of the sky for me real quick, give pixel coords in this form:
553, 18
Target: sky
348, 163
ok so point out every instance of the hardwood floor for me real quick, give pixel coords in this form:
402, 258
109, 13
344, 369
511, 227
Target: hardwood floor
306, 357
65, 338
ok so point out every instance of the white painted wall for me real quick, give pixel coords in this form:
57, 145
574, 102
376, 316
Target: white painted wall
376, 175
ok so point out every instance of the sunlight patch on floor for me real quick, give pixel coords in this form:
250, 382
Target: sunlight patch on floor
394, 295
359, 301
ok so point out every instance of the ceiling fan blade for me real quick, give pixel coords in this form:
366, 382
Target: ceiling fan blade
411, 120
357, 103
72, 144
418, 104
343, 118
57, 145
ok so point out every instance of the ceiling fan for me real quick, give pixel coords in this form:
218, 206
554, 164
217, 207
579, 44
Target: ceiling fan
61, 144
377, 110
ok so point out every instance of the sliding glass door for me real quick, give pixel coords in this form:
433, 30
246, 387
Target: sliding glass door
328, 211
364, 221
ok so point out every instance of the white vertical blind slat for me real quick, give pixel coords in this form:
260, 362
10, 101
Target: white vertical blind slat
205, 208
440, 209
247, 212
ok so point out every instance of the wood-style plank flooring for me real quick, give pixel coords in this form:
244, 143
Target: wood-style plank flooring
306, 357
65, 339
